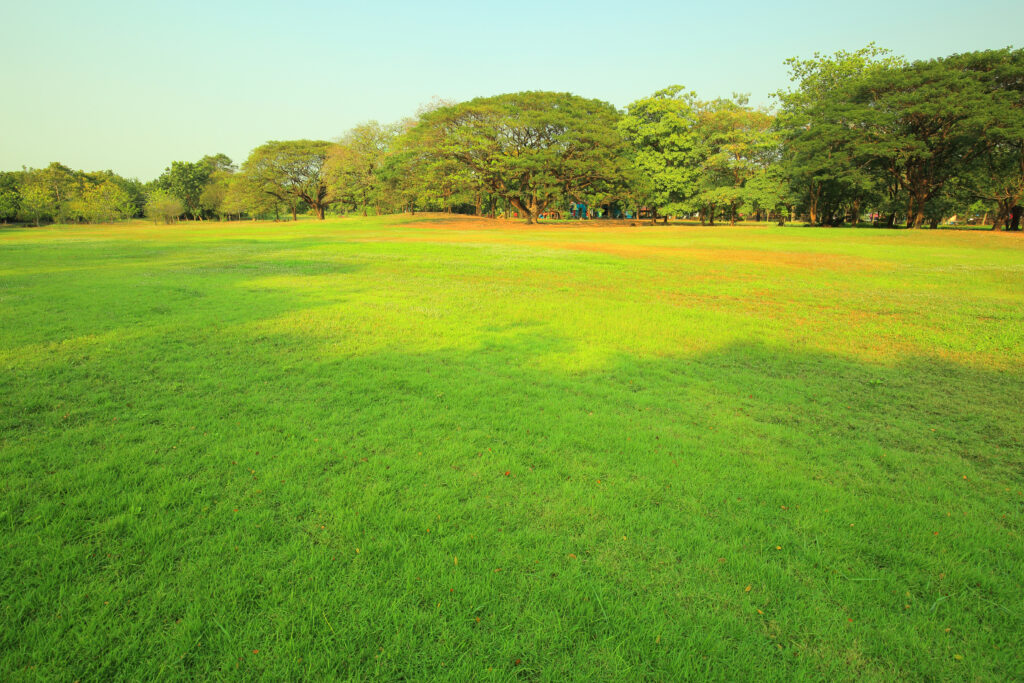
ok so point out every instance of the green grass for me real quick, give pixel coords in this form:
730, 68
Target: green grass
237, 451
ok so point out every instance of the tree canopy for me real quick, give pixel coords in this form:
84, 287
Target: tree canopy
861, 134
292, 172
532, 149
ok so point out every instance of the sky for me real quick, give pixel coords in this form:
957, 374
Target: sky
131, 85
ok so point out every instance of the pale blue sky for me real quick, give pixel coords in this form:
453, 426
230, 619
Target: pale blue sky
133, 85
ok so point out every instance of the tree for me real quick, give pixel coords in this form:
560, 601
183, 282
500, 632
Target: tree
292, 172
219, 162
185, 180
355, 164
211, 199
423, 176
245, 196
997, 176
997, 173
769, 190
736, 144
48, 193
827, 172
10, 195
925, 122
100, 202
162, 205
661, 130
532, 149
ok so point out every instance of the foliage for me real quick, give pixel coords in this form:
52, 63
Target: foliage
924, 122
861, 132
162, 205
827, 171
10, 195
243, 196
186, 181
355, 166
292, 172
215, 191
661, 129
101, 202
737, 143
535, 150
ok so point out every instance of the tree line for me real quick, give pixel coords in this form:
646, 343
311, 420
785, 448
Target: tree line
858, 137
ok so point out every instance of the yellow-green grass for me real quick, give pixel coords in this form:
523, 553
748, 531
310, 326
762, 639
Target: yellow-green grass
427, 448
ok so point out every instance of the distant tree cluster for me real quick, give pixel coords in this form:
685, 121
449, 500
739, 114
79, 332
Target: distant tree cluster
859, 137
56, 193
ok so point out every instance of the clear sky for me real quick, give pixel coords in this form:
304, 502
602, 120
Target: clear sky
132, 85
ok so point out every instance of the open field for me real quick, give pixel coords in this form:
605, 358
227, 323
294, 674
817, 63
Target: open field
472, 450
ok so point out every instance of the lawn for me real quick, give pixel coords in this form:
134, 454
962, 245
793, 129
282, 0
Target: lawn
423, 448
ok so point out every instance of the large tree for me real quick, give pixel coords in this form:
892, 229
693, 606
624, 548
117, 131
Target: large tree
661, 130
293, 172
828, 173
532, 149
924, 122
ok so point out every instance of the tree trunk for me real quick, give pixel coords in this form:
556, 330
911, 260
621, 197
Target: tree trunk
529, 210
1004, 214
1015, 214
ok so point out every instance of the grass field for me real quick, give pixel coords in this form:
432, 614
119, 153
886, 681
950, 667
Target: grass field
417, 449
